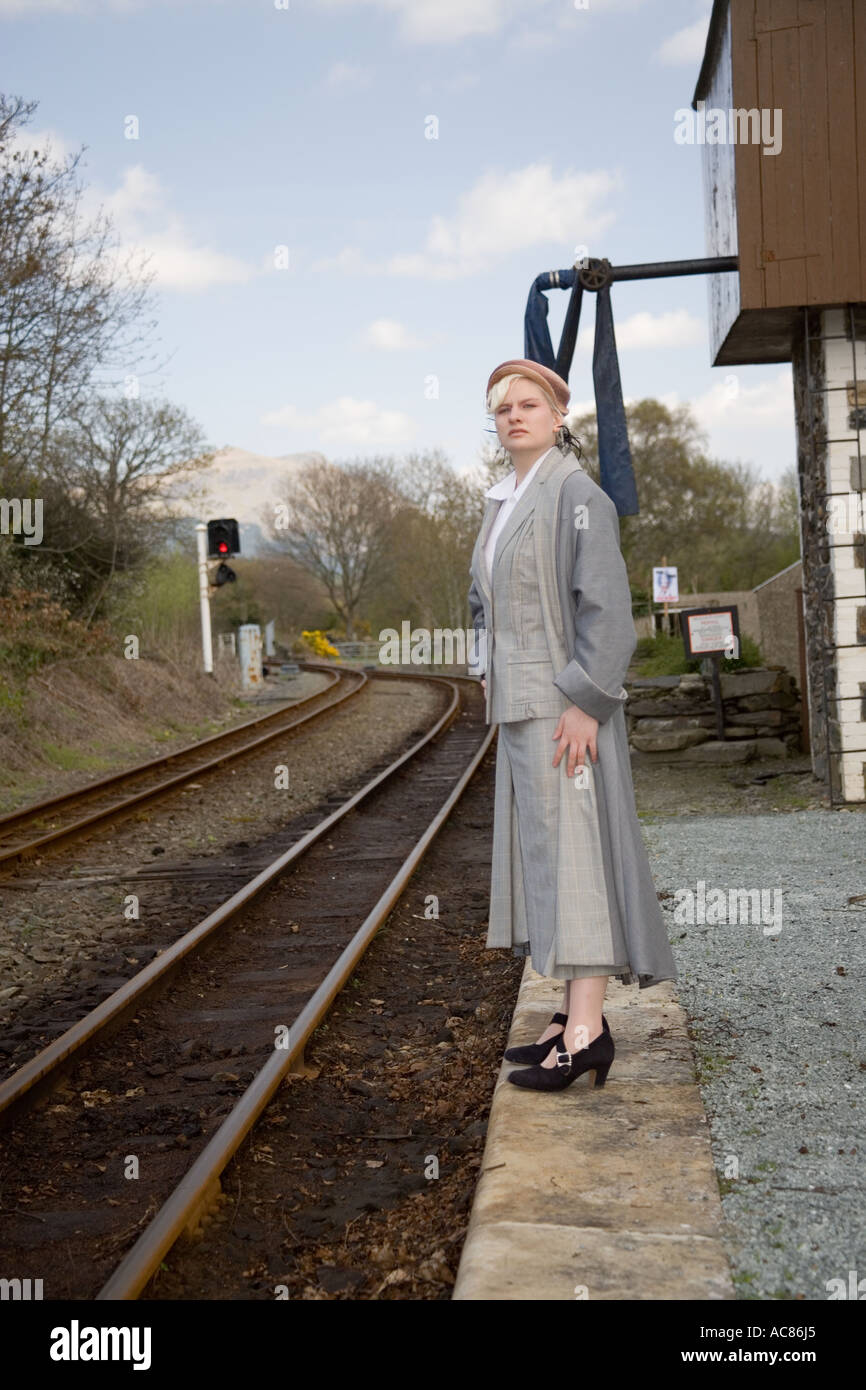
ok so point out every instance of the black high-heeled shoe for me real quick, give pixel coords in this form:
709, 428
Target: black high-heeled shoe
597, 1057
536, 1052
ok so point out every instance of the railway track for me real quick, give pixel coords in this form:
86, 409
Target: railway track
115, 1134
44, 826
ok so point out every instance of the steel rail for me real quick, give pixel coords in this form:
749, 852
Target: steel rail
140, 1263
16, 1086
17, 853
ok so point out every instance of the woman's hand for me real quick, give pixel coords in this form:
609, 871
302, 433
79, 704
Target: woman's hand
576, 732
484, 685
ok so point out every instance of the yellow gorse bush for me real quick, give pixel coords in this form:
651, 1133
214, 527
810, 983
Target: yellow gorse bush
319, 643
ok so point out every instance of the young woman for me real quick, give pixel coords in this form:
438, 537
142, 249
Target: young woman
570, 885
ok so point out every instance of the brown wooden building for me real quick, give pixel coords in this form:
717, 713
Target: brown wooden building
796, 218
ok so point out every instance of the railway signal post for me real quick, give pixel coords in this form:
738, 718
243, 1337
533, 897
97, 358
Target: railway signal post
204, 598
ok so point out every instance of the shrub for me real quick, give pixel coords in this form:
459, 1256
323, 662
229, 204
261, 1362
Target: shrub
35, 629
162, 608
319, 644
663, 655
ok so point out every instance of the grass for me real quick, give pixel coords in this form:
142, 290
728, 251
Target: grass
661, 656
72, 759
788, 799
69, 758
11, 701
193, 732
24, 789
710, 1065
205, 727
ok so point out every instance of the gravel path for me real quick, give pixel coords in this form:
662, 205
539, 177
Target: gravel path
779, 1025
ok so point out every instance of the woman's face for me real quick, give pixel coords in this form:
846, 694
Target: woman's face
524, 419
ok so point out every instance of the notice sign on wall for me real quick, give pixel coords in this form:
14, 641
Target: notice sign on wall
711, 631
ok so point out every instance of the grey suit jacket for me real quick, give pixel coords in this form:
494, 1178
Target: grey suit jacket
595, 606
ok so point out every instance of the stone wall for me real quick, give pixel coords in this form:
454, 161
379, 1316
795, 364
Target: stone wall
779, 606
673, 719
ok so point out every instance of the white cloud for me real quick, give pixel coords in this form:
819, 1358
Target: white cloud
144, 221
754, 423
437, 21
139, 195
455, 82
390, 336
12, 8
28, 8
350, 259
419, 21
503, 213
49, 140
342, 74
675, 329
346, 421
686, 45
742, 422
445, 21
730, 400
535, 39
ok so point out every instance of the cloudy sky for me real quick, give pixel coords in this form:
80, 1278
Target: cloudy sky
321, 260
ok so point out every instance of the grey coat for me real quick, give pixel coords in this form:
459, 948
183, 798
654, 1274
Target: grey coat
572, 528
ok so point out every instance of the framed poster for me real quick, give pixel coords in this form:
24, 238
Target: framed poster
711, 631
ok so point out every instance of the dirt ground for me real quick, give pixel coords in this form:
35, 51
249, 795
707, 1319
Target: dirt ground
755, 788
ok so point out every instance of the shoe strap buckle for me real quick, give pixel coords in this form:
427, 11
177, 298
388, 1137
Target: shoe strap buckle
559, 1059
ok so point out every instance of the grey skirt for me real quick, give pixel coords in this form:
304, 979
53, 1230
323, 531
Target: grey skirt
551, 892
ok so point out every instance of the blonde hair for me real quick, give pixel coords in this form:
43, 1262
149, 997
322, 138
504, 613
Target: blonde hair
499, 390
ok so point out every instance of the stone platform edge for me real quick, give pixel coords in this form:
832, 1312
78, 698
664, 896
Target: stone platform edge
606, 1193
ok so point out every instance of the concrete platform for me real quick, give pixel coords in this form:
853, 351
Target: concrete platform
607, 1193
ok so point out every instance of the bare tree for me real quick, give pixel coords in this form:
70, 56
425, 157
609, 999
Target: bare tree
335, 520
70, 303
127, 465
432, 542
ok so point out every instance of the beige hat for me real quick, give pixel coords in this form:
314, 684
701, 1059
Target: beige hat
548, 380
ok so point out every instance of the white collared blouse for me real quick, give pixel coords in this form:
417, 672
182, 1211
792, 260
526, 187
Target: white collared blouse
510, 492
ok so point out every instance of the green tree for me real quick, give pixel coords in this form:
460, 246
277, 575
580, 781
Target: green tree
717, 522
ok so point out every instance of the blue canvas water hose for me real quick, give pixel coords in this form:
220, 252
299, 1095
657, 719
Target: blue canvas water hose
617, 471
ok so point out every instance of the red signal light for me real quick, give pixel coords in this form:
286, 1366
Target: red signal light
223, 538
